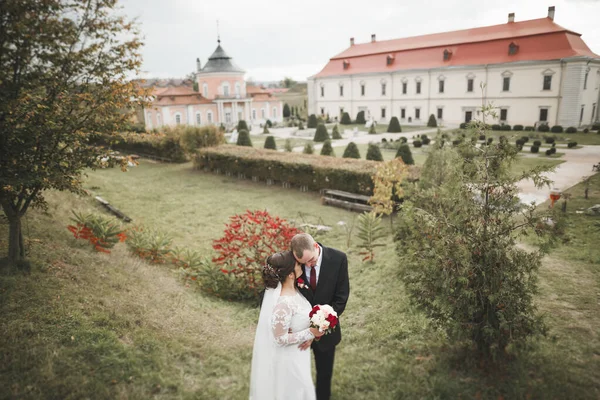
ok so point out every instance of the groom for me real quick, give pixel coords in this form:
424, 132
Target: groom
326, 275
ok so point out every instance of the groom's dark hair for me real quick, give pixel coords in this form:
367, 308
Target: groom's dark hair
301, 242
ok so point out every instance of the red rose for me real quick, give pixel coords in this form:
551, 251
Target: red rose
313, 311
332, 320
300, 281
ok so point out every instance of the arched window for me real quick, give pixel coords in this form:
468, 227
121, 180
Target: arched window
253, 113
237, 89
205, 90
198, 118
178, 119
274, 112
226, 89
209, 117
263, 115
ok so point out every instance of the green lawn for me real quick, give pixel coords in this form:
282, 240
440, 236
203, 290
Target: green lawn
524, 163
258, 141
99, 326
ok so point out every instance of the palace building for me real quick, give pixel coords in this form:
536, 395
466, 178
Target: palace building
223, 98
533, 72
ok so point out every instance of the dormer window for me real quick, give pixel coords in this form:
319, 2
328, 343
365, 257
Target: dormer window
389, 59
346, 64
447, 55
513, 48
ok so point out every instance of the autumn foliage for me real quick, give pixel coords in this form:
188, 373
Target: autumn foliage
101, 232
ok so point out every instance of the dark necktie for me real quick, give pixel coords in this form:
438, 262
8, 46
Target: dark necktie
313, 278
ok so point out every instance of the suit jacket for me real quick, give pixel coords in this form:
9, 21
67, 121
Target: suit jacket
333, 288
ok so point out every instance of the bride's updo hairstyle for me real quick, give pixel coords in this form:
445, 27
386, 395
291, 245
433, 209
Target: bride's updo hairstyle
277, 268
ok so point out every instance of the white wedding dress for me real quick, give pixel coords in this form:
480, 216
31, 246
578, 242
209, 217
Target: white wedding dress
280, 370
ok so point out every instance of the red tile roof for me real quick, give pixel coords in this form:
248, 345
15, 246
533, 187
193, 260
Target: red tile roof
179, 95
538, 39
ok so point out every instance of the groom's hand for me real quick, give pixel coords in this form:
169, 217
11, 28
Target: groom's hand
305, 345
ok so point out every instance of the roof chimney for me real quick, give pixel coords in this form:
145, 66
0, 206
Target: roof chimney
198, 65
551, 13
351, 41
511, 17
373, 38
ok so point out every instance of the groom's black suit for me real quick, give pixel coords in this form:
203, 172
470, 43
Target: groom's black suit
333, 288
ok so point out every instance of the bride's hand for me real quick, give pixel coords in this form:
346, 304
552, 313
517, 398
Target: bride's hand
316, 333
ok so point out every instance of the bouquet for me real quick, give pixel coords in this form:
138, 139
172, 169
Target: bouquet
323, 318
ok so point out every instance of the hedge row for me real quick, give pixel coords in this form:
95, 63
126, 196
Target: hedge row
312, 171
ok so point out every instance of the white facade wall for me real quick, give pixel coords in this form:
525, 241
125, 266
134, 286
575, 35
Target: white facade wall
522, 101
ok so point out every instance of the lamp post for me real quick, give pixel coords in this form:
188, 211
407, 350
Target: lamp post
554, 196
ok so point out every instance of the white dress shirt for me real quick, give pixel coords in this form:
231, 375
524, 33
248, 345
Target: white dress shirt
317, 267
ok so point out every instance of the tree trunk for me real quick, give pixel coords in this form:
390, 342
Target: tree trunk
586, 193
16, 247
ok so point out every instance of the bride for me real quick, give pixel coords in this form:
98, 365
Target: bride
280, 370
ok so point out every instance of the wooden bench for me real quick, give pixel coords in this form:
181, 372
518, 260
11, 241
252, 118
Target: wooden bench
349, 201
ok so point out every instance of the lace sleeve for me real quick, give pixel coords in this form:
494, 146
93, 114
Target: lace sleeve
280, 324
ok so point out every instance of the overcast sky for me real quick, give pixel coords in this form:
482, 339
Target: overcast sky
271, 39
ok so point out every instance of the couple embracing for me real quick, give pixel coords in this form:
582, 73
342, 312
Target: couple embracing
308, 275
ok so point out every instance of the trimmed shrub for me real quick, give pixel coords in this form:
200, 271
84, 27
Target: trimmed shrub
519, 142
335, 133
544, 128
490, 140
270, 143
327, 149
308, 148
557, 129
481, 137
242, 126
571, 129
496, 127
518, 128
383, 140
192, 138
321, 134
525, 139
425, 140
463, 125
300, 126
537, 143
345, 119
312, 121
570, 145
244, 138
360, 118
432, 123
394, 126
417, 143
265, 130
288, 145
373, 153
586, 130
286, 111
505, 127
351, 151
269, 123
535, 149
549, 152
403, 140
372, 130
405, 154
549, 139
529, 128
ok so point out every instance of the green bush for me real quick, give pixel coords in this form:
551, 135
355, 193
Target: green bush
537, 143
496, 127
571, 129
335, 133
345, 119
308, 148
270, 143
525, 139
288, 145
403, 140
244, 138
394, 126
544, 128
372, 130
265, 130
570, 145
549, 140
505, 127
360, 118
490, 140
481, 137
321, 133
596, 127
327, 149
529, 128
417, 143
463, 125
405, 154
242, 126
351, 151
300, 126
518, 128
269, 123
425, 140
193, 138
535, 149
312, 121
456, 142
557, 129
286, 111
432, 123
373, 153
549, 152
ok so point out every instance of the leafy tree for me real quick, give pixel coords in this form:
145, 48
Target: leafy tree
64, 78
287, 82
321, 133
312, 121
308, 148
351, 151
405, 154
335, 133
360, 117
459, 257
345, 119
394, 125
270, 143
432, 123
374, 153
244, 138
327, 150
242, 126
286, 111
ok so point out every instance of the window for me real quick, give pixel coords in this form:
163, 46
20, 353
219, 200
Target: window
322, 111
341, 90
389, 59
205, 90
237, 88
362, 89
585, 80
447, 55
346, 64
469, 85
441, 86
253, 113
512, 49
418, 87
403, 113
593, 110
543, 114
417, 113
548, 82
274, 115
149, 116
581, 114
226, 89
209, 117
506, 84
198, 119
404, 87
228, 117
322, 91
263, 114
383, 113
503, 114
383, 87
178, 119
440, 113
